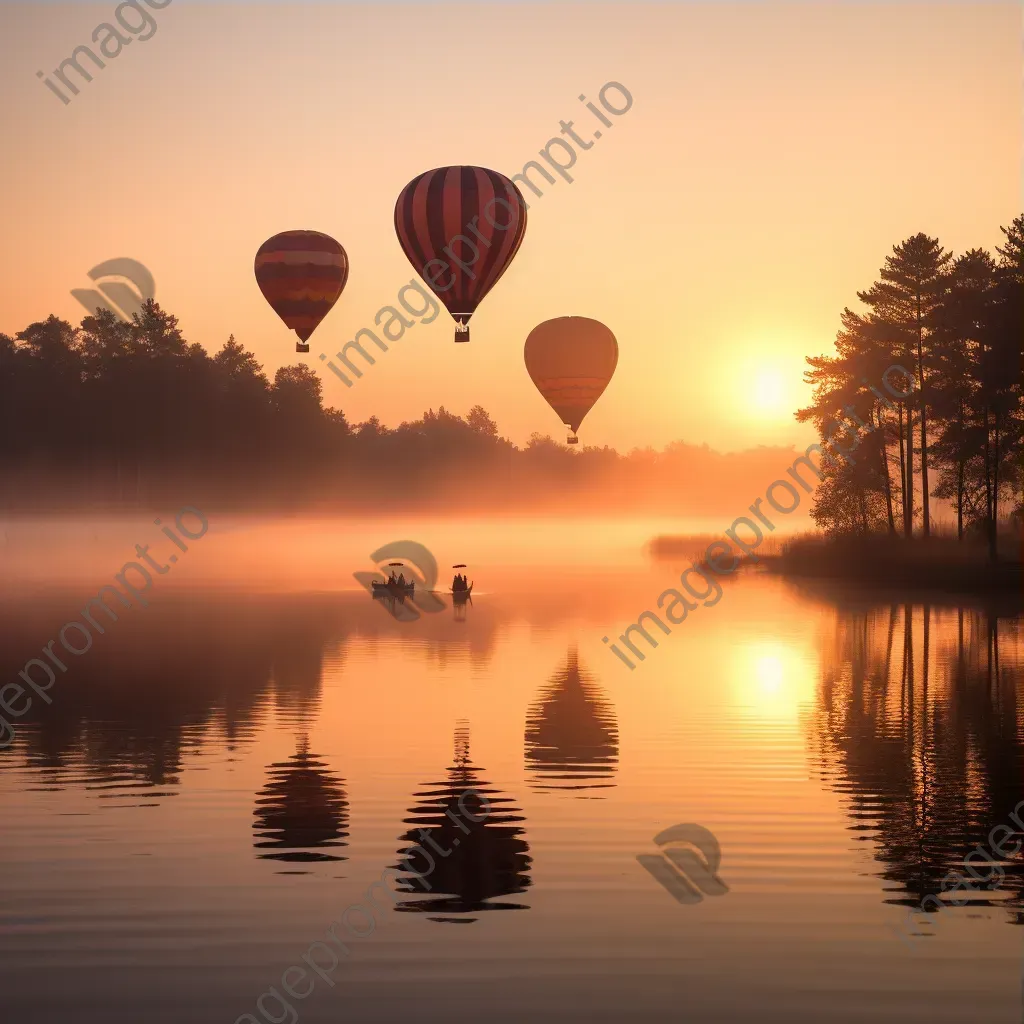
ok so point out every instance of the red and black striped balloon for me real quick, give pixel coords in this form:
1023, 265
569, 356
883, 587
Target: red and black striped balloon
460, 228
301, 275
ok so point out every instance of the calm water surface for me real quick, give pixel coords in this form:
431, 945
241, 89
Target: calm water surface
228, 770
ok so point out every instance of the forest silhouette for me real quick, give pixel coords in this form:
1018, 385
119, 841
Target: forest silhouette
136, 415
957, 325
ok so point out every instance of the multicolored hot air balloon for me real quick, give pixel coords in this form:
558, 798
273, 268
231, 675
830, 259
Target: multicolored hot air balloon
460, 227
571, 360
301, 275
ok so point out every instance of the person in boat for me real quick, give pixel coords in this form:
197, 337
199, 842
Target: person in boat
401, 579
391, 579
459, 583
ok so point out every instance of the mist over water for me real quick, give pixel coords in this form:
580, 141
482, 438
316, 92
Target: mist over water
228, 769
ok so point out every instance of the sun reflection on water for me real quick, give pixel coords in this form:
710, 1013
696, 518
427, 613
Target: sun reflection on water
772, 679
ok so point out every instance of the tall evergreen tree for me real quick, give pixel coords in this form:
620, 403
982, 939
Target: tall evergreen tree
1000, 375
957, 343
903, 309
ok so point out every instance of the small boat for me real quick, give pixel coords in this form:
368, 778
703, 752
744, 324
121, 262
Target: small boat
392, 588
460, 593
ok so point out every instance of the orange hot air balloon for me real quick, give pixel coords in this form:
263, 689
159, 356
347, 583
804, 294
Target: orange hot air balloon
460, 227
571, 360
301, 275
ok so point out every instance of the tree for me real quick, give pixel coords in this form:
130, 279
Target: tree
104, 338
53, 342
297, 391
847, 503
846, 403
49, 368
958, 341
479, 419
1000, 376
903, 307
156, 332
238, 365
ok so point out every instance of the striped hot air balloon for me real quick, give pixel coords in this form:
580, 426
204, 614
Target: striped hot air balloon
571, 360
460, 227
301, 275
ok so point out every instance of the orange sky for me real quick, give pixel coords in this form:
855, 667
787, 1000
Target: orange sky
772, 156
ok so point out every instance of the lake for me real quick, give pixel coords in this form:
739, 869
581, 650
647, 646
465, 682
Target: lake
226, 772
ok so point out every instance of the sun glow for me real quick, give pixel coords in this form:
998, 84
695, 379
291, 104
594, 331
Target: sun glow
771, 386
770, 392
773, 679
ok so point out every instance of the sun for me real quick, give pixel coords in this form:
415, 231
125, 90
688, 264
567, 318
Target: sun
770, 392
769, 388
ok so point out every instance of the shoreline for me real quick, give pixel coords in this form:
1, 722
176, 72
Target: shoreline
1000, 578
940, 564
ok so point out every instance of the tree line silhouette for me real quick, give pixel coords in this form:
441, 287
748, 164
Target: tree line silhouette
111, 412
957, 324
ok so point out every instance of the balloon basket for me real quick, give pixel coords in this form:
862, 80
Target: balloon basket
572, 439
461, 332
300, 347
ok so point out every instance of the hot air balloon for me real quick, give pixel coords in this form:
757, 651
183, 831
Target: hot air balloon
301, 275
460, 227
571, 359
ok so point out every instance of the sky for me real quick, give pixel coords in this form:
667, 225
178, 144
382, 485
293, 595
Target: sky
772, 156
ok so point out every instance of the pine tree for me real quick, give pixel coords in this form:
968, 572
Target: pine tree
957, 344
903, 307
1000, 376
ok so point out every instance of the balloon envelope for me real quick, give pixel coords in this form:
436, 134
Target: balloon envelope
571, 359
460, 228
301, 275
